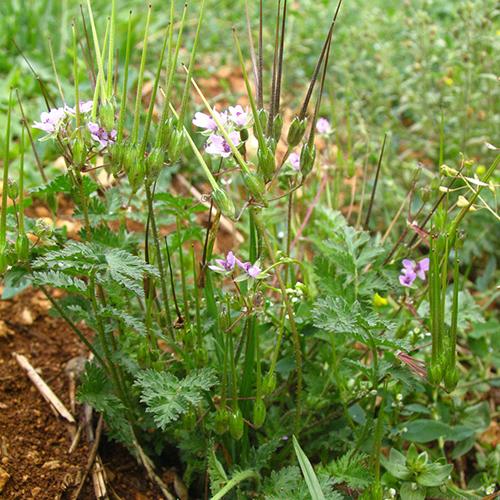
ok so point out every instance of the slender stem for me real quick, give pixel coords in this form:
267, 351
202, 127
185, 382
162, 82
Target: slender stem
183, 272
161, 268
21, 185
5, 179
140, 80
291, 319
32, 142
260, 71
111, 48
123, 104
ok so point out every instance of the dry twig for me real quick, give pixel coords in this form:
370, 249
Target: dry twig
55, 403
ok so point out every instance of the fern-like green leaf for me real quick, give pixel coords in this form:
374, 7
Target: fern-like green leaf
168, 397
58, 279
351, 469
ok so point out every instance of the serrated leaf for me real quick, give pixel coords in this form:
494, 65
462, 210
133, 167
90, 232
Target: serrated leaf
351, 469
58, 279
167, 397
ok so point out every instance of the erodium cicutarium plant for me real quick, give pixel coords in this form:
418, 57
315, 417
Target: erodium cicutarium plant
235, 278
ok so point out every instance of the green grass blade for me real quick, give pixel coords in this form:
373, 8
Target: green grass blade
308, 472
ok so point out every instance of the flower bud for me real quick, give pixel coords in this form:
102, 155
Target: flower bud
244, 135
176, 145
236, 424
451, 377
259, 413
435, 373
117, 154
255, 186
266, 163
223, 203
307, 159
262, 116
107, 116
296, 131
448, 171
154, 163
134, 166
277, 127
79, 153
165, 132
12, 189
22, 247
480, 170
221, 421
269, 383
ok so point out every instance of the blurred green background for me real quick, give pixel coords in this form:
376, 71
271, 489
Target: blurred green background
397, 66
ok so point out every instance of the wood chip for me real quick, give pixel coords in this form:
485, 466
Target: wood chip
5, 331
26, 317
4, 477
43, 388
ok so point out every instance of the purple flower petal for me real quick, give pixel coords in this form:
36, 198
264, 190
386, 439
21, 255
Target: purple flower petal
407, 278
51, 120
202, 120
409, 264
218, 146
323, 126
251, 269
294, 160
238, 116
424, 264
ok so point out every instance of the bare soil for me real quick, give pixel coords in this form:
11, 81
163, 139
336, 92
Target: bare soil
34, 443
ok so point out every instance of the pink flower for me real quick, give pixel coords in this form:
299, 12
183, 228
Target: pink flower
412, 270
407, 277
323, 126
100, 135
85, 107
239, 116
294, 160
51, 121
218, 146
224, 265
253, 270
419, 268
206, 122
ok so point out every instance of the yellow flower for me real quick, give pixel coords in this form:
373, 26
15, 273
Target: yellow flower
379, 301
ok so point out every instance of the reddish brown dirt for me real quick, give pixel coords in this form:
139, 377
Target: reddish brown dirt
34, 442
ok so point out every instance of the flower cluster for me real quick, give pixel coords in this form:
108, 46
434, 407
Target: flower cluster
227, 265
51, 121
54, 121
412, 270
234, 119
